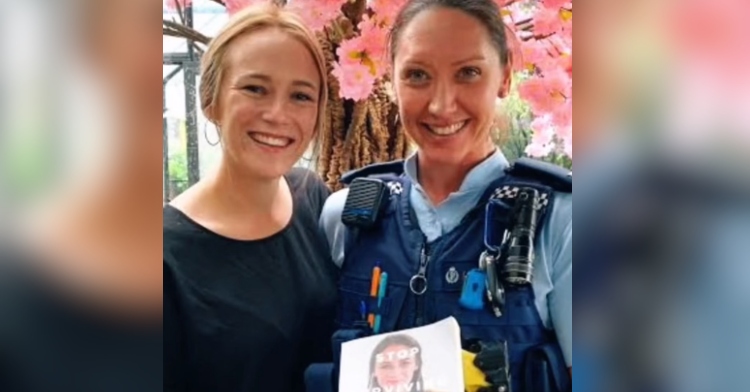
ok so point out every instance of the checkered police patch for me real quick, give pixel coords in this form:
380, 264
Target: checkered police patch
508, 193
395, 187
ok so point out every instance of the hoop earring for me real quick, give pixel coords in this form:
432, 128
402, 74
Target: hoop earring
205, 135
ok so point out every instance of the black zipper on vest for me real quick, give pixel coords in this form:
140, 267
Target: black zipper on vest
424, 261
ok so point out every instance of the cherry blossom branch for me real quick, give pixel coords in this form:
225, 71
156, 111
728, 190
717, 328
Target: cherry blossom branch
174, 29
509, 3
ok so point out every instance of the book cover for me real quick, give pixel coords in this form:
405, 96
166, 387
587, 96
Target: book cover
424, 359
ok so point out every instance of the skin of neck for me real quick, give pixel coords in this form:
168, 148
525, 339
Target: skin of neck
240, 193
440, 179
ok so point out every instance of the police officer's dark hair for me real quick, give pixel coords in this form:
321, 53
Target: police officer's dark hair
485, 11
398, 340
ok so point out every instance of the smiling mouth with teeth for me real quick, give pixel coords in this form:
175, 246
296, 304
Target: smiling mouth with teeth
447, 131
270, 140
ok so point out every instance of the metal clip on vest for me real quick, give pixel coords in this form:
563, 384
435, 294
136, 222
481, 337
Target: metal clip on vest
488, 262
495, 290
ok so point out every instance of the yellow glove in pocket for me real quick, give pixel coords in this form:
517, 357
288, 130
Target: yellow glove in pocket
473, 377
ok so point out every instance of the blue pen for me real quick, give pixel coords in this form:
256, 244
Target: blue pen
363, 310
381, 294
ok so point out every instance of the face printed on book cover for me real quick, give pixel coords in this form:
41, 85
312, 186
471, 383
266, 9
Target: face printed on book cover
395, 367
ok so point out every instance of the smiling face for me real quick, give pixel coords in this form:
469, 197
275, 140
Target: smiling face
267, 106
447, 76
395, 367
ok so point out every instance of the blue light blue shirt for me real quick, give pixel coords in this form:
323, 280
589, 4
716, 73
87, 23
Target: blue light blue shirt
553, 269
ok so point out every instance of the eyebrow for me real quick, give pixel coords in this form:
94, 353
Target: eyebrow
455, 63
470, 59
266, 78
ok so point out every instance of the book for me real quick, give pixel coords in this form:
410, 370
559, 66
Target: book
423, 359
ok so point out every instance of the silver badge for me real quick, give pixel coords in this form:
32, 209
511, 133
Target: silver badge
452, 275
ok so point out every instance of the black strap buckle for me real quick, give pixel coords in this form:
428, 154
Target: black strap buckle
492, 360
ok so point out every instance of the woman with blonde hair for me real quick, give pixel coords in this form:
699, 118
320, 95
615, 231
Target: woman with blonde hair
249, 287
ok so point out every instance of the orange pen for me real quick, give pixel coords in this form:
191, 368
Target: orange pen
374, 285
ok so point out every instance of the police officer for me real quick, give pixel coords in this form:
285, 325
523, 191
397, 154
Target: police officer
445, 216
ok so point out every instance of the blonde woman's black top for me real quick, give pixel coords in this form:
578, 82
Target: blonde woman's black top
248, 315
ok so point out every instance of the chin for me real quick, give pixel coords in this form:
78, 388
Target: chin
443, 155
268, 171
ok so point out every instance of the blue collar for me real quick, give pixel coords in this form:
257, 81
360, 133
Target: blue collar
490, 169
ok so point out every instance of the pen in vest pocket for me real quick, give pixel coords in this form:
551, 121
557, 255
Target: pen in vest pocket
374, 287
381, 294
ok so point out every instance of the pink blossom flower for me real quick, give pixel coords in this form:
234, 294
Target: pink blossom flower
567, 33
547, 21
542, 140
518, 11
386, 10
565, 136
545, 94
534, 52
234, 6
367, 49
562, 118
317, 14
544, 129
373, 43
556, 4
355, 79
351, 51
567, 65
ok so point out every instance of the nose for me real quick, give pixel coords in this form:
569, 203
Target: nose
443, 100
276, 111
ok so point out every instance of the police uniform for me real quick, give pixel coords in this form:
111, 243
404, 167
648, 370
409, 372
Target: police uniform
437, 247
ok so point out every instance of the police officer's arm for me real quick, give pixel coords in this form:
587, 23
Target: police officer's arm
330, 224
559, 234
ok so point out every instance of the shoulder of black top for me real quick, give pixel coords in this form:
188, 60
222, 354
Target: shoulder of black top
306, 180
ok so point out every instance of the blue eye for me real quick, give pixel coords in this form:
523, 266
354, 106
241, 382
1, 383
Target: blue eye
302, 97
254, 89
416, 76
469, 73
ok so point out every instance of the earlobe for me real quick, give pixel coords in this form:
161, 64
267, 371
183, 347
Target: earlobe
210, 114
505, 87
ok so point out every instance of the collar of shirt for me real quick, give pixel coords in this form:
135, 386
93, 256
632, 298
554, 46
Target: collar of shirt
435, 221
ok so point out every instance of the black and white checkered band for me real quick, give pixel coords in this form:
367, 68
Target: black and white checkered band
509, 193
395, 187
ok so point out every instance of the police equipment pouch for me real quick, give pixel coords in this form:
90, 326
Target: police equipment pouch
364, 203
518, 249
492, 360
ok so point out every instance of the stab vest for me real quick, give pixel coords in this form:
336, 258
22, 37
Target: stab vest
396, 243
